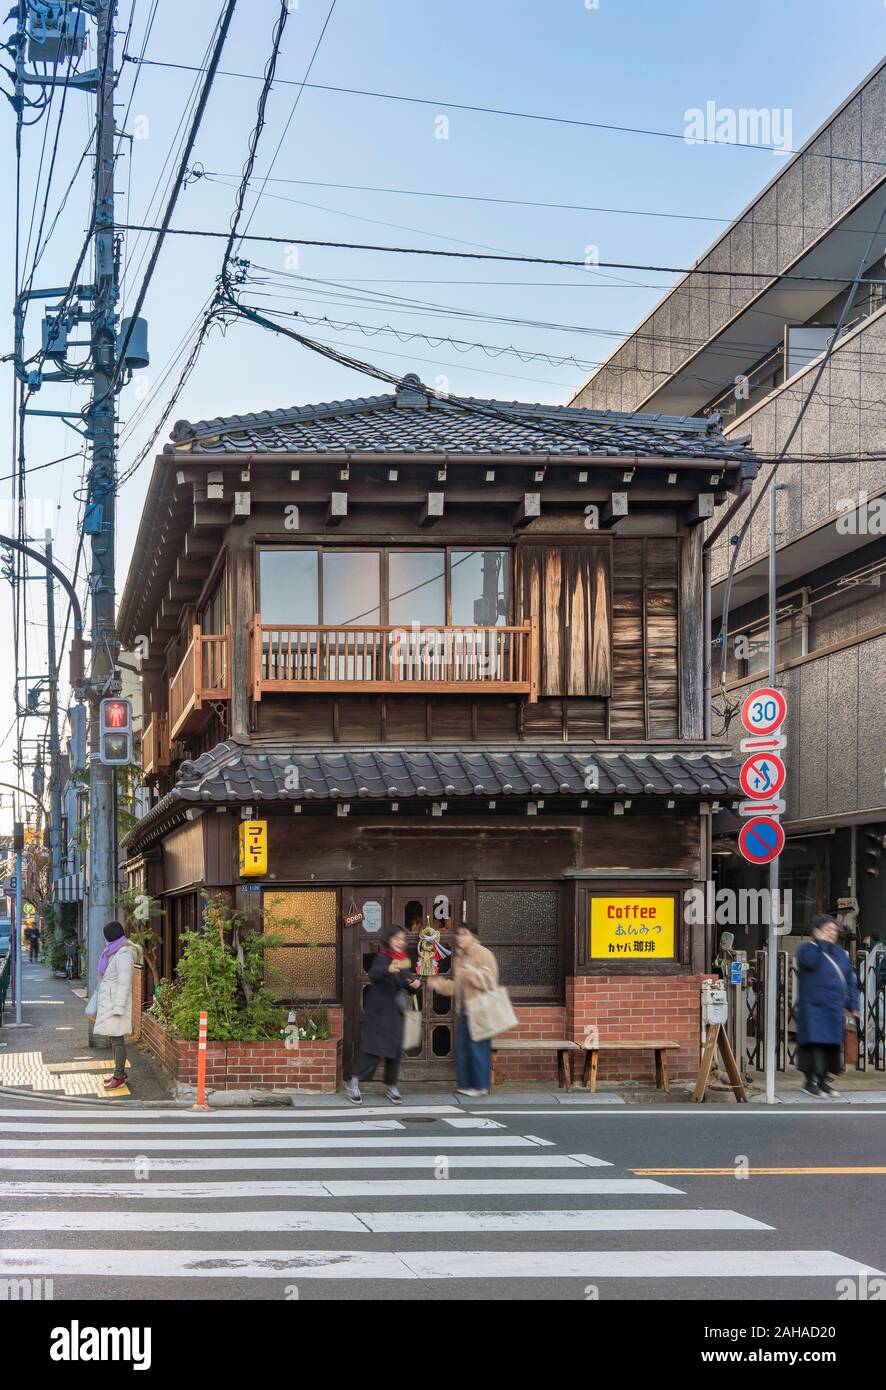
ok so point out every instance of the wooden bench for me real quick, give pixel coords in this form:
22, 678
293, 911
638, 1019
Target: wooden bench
656, 1045
561, 1046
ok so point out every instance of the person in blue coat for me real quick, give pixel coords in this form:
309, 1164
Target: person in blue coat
827, 993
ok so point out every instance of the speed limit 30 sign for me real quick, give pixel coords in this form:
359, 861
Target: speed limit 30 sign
763, 711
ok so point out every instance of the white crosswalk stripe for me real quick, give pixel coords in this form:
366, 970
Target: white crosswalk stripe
166, 1195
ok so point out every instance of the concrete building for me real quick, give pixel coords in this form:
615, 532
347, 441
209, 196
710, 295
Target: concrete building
742, 335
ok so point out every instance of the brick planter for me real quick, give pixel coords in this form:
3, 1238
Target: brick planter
247, 1066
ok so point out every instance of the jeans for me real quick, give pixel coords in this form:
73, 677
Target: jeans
473, 1060
119, 1046
366, 1066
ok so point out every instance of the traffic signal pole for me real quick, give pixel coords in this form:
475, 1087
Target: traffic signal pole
101, 499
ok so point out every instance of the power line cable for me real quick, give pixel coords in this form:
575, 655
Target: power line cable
773, 276
214, 61
534, 116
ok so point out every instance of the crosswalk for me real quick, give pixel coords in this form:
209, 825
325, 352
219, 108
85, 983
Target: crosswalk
175, 1201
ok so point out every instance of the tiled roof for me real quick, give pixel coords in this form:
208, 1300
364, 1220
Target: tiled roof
232, 773
412, 420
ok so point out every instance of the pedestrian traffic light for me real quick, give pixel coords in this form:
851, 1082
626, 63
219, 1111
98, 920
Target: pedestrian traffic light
115, 732
876, 843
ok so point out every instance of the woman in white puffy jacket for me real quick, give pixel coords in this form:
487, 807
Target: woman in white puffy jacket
113, 1002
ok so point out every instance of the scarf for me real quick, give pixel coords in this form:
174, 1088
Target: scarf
110, 950
394, 955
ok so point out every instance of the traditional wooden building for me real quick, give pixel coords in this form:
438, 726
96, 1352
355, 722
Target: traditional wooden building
450, 653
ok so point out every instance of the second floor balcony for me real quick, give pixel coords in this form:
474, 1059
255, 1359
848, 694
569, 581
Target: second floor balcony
202, 679
299, 658
155, 744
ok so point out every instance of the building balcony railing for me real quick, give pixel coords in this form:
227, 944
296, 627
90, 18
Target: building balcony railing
203, 677
298, 657
155, 744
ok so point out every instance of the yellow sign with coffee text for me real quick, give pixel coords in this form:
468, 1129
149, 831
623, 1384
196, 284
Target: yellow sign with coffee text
253, 848
631, 928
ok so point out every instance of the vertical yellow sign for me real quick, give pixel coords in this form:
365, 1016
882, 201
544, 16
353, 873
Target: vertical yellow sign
253, 848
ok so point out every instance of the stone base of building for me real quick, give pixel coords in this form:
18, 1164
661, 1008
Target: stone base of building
247, 1066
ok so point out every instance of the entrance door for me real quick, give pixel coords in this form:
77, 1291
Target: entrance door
414, 906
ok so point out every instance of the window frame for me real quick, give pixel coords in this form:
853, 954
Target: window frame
383, 552
335, 946
556, 997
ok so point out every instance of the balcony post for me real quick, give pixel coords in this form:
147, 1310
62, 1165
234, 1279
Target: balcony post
240, 607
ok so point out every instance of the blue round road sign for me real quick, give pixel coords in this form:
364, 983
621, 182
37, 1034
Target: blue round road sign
761, 839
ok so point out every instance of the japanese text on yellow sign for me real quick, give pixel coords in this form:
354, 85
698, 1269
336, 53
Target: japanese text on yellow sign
636, 928
253, 848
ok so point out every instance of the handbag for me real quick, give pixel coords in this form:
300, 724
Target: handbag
92, 1007
489, 1013
412, 1023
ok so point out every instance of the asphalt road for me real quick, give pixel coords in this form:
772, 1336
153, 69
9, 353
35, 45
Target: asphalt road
543, 1203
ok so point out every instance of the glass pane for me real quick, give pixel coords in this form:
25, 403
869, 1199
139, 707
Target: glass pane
351, 588
417, 588
302, 918
479, 581
529, 966
287, 591
297, 972
441, 1041
520, 916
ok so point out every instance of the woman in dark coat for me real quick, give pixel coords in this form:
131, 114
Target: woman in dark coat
827, 992
390, 975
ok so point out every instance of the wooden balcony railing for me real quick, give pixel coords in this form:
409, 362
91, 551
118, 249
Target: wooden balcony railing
203, 676
395, 660
155, 744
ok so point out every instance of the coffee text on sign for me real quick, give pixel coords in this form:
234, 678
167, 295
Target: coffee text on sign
253, 848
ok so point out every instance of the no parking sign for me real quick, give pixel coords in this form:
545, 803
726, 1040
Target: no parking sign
761, 840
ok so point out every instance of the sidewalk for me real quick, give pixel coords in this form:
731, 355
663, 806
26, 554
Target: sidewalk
50, 1052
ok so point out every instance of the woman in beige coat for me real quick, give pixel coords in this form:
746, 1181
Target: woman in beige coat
113, 998
474, 970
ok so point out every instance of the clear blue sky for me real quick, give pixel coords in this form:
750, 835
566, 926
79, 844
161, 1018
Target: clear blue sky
629, 62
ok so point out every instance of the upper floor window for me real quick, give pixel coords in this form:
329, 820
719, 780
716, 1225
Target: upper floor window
333, 587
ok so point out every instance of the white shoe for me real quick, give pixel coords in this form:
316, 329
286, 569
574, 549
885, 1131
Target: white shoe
469, 1091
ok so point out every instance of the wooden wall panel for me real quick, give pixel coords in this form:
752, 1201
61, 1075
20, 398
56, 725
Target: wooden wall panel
628, 706
567, 587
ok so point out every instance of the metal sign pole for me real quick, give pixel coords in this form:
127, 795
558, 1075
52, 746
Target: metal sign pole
772, 944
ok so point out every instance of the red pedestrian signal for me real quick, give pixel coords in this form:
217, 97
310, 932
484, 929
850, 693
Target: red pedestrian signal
116, 714
115, 733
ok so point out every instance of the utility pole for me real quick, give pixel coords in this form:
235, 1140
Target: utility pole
55, 780
101, 495
18, 841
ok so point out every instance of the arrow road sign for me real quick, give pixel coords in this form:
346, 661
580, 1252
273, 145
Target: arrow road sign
762, 808
763, 711
763, 775
763, 743
761, 840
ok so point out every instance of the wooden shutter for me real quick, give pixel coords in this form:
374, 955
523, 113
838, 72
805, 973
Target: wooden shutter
567, 587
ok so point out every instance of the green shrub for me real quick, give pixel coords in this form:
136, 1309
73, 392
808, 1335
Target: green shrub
223, 978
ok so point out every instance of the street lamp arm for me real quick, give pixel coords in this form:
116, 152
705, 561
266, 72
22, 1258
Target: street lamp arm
62, 578
22, 791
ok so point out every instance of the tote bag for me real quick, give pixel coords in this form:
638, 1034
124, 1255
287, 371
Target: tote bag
489, 1013
412, 1021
